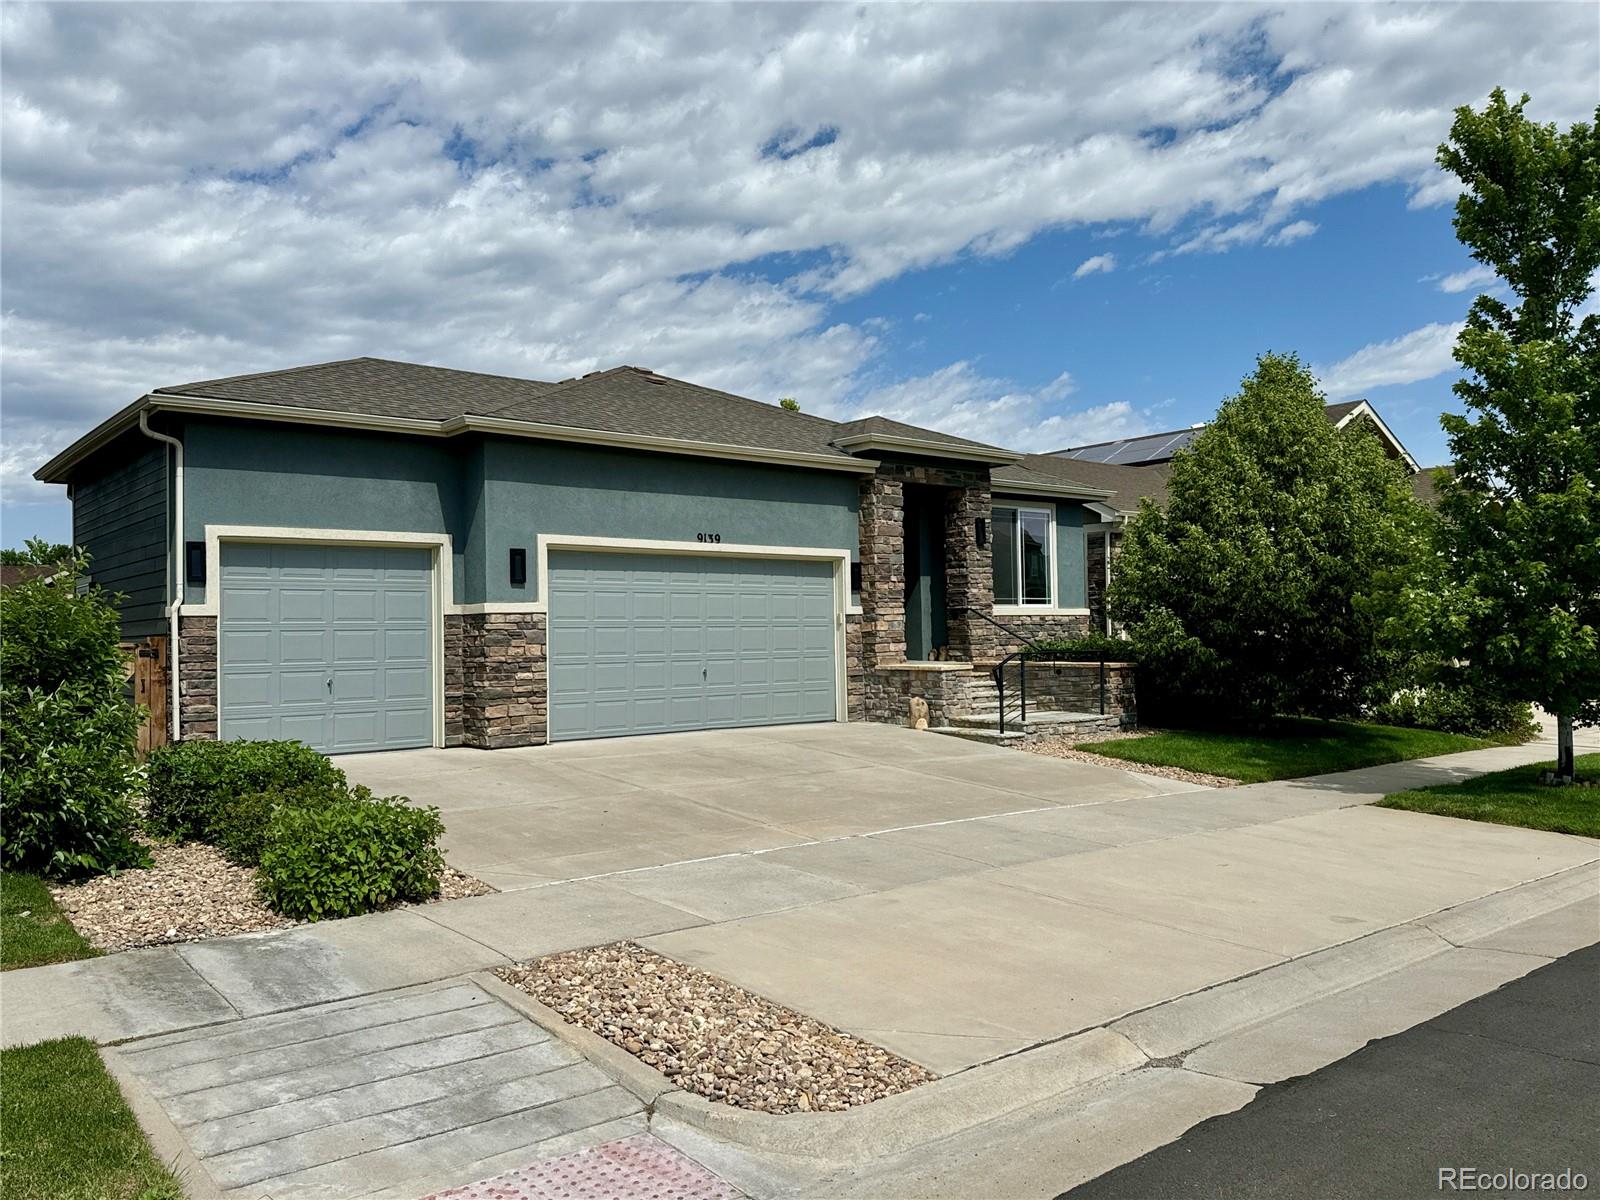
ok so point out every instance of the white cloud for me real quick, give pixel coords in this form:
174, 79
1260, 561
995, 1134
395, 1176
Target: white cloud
541, 190
1099, 264
1421, 354
1463, 280
1291, 233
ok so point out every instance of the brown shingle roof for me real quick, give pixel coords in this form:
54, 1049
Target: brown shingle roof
374, 387
1127, 485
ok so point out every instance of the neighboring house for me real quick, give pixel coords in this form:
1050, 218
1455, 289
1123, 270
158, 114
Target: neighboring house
1136, 468
371, 554
12, 574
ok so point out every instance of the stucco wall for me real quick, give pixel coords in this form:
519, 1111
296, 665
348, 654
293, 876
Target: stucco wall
542, 487
492, 494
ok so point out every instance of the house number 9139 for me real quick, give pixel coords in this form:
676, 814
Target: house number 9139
708, 537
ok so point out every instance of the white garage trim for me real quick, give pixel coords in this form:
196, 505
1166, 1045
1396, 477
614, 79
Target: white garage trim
438, 543
839, 558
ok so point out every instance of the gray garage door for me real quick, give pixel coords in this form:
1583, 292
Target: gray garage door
656, 643
330, 645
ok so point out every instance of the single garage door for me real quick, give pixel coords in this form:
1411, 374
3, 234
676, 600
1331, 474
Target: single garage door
329, 645
657, 643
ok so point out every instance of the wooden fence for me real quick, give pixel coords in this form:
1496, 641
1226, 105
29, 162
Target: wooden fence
151, 687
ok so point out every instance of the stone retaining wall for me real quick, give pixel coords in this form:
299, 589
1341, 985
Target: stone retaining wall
1075, 687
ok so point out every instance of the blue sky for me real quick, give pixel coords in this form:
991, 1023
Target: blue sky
1039, 225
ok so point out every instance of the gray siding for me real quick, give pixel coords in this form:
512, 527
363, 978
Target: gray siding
119, 515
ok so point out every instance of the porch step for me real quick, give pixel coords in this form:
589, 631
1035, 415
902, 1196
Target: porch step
991, 736
1035, 720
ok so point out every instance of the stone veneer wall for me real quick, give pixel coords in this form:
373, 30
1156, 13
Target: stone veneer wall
948, 692
1040, 625
855, 675
1095, 568
197, 677
454, 701
1075, 687
504, 683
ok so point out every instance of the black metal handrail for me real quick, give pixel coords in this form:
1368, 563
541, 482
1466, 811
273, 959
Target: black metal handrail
1021, 657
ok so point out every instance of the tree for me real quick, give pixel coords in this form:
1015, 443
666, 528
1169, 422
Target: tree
67, 730
789, 404
1520, 521
38, 553
1249, 594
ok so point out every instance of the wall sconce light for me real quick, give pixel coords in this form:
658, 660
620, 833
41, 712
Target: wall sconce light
855, 578
194, 562
981, 530
519, 567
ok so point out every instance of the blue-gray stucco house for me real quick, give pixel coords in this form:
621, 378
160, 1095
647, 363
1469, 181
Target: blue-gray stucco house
370, 554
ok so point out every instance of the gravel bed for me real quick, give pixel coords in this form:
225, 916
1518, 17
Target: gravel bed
710, 1037
1066, 747
191, 893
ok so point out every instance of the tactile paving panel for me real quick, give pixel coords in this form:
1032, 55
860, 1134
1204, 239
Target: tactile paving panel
642, 1167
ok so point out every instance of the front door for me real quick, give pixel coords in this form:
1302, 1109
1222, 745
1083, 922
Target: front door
924, 554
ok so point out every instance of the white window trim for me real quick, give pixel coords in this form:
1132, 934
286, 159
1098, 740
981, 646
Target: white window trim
440, 592
1048, 509
546, 542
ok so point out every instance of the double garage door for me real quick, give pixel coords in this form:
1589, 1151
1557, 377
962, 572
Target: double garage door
329, 645
333, 646
658, 643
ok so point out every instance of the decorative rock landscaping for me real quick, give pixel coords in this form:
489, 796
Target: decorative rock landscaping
191, 893
709, 1036
1067, 747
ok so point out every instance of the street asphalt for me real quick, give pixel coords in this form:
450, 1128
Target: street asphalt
1509, 1082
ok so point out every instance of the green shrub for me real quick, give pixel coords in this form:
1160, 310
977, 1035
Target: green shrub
1455, 709
343, 859
190, 781
1087, 648
67, 731
239, 826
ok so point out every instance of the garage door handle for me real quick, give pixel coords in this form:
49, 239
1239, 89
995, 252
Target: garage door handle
330, 685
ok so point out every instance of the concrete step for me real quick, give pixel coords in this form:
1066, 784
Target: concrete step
990, 736
1035, 720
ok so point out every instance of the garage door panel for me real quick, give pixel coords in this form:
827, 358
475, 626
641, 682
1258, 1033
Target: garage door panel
710, 643
294, 618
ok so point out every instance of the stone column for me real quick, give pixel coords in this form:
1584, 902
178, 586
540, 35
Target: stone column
197, 678
969, 572
883, 572
504, 686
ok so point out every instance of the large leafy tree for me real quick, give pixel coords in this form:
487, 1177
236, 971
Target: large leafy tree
1521, 519
1250, 592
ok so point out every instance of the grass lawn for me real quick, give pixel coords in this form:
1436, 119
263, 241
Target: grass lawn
1514, 797
1290, 749
68, 1133
32, 930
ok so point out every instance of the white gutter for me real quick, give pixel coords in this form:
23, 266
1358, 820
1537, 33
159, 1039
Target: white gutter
174, 563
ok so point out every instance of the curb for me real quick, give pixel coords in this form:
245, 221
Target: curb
167, 1142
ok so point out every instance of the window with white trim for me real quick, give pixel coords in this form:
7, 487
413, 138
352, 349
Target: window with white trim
1022, 560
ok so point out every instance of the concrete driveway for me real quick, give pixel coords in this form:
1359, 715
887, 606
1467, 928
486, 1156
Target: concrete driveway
521, 818
951, 901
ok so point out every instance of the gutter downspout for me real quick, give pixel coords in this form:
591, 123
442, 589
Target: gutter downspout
174, 567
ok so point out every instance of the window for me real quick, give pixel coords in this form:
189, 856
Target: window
1023, 569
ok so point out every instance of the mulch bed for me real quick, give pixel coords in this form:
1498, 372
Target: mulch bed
708, 1036
191, 893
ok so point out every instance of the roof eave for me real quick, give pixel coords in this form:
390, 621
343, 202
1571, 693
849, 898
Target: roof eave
1070, 491
891, 443
55, 471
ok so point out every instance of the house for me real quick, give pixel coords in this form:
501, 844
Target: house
1136, 468
371, 554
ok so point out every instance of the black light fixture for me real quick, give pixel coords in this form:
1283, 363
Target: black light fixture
855, 577
981, 530
519, 566
194, 562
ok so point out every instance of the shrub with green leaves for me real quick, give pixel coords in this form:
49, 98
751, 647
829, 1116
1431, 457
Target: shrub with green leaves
239, 826
68, 730
319, 862
1088, 648
190, 781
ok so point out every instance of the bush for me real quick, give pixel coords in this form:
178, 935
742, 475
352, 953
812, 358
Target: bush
67, 731
1088, 648
1455, 708
190, 781
351, 857
239, 826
